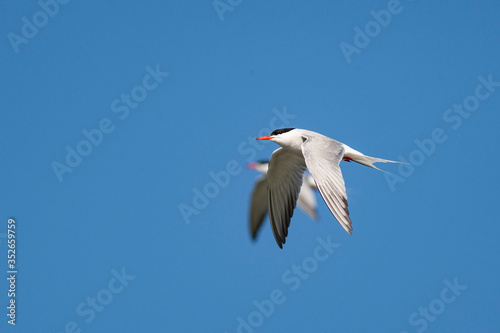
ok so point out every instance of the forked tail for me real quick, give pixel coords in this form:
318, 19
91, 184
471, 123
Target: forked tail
354, 155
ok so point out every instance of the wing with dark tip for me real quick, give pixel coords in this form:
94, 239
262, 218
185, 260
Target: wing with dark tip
322, 156
284, 179
258, 206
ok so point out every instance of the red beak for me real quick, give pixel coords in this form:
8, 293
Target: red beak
251, 165
264, 138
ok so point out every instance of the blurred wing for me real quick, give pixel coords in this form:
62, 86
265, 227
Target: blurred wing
284, 179
258, 206
310, 181
322, 156
307, 199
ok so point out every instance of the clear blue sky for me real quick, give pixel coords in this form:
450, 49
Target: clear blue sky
161, 97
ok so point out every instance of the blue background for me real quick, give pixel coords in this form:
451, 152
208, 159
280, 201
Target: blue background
120, 207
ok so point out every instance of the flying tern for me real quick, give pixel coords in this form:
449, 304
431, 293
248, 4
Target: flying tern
300, 150
258, 206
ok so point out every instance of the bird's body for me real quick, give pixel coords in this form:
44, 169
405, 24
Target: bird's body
301, 150
259, 206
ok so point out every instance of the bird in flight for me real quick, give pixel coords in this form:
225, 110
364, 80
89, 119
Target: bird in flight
300, 150
258, 206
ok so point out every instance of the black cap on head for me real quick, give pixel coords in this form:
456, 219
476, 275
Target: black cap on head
281, 131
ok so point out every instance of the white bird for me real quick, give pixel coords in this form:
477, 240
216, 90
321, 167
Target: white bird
258, 206
300, 150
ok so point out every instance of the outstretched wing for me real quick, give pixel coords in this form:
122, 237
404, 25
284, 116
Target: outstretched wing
307, 199
284, 179
322, 156
258, 206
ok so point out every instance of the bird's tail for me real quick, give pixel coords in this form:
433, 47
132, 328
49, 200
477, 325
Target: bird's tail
354, 155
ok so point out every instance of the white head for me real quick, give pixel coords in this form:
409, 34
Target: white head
285, 137
260, 166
